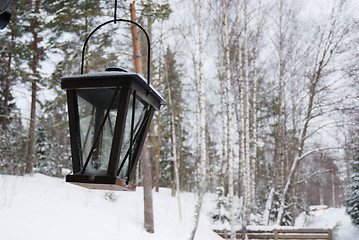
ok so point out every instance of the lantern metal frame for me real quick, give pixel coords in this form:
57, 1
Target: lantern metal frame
4, 19
125, 84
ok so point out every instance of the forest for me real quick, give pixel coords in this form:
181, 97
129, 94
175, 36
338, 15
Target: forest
262, 97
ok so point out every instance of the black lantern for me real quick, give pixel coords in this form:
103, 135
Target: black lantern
109, 116
4, 19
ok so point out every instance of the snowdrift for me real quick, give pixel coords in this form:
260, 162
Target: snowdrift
45, 208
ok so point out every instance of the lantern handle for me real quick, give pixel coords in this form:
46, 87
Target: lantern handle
114, 21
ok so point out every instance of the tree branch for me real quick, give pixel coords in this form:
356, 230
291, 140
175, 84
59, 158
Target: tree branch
311, 175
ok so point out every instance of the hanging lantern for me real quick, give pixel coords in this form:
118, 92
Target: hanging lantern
4, 19
5, 12
109, 116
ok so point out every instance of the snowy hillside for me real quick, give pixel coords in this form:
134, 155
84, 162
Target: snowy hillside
44, 208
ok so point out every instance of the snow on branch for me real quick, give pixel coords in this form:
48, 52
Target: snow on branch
335, 123
304, 155
311, 175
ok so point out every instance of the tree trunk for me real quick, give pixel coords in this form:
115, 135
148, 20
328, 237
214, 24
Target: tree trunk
157, 168
268, 207
254, 151
174, 144
136, 42
298, 158
6, 94
229, 111
224, 164
202, 123
159, 133
281, 101
31, 137
324, 54
145, 156
246, 163
32, 125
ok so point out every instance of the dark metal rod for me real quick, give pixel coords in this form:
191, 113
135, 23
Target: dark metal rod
99, 132
111, 127
98, 143
119, 132
114, 21
131, 137
135, 140
88, 130
74, 131
123, 162
141, 138
115, 12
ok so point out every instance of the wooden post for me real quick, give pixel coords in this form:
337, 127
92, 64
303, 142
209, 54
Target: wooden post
275, 234
136, 41
145, 159
330, 234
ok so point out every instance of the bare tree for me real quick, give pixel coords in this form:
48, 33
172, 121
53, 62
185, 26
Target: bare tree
229, 113
202, 120
330, 36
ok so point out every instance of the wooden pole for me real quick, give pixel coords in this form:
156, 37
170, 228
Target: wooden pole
145, 156
136, 41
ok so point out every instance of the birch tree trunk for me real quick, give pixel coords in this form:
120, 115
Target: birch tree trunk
281, 101
224, 166
202, 122
230, 160
174, 144
159, 132
246, 163
158, 154
268, 207
145, 155
254, 150
221, 73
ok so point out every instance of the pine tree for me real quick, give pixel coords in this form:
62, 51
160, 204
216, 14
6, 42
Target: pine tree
221, 212
35, 29
11, 53
12, 147
69, 29
52, 142
174, 86
352, 201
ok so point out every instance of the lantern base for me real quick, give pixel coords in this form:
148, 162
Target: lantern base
101, 182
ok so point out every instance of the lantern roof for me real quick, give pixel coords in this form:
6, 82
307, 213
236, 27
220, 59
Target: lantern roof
112, 78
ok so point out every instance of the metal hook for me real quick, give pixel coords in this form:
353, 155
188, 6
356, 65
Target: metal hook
120, 20
115, 12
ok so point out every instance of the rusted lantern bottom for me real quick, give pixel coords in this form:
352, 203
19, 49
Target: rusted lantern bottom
101, 183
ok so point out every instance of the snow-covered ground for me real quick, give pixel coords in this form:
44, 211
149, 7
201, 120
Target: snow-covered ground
44, 208
333, 218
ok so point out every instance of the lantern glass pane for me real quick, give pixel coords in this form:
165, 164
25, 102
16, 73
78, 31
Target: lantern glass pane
91, 117
139, 111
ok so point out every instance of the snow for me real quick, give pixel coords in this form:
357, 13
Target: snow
333, 218
41, 207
